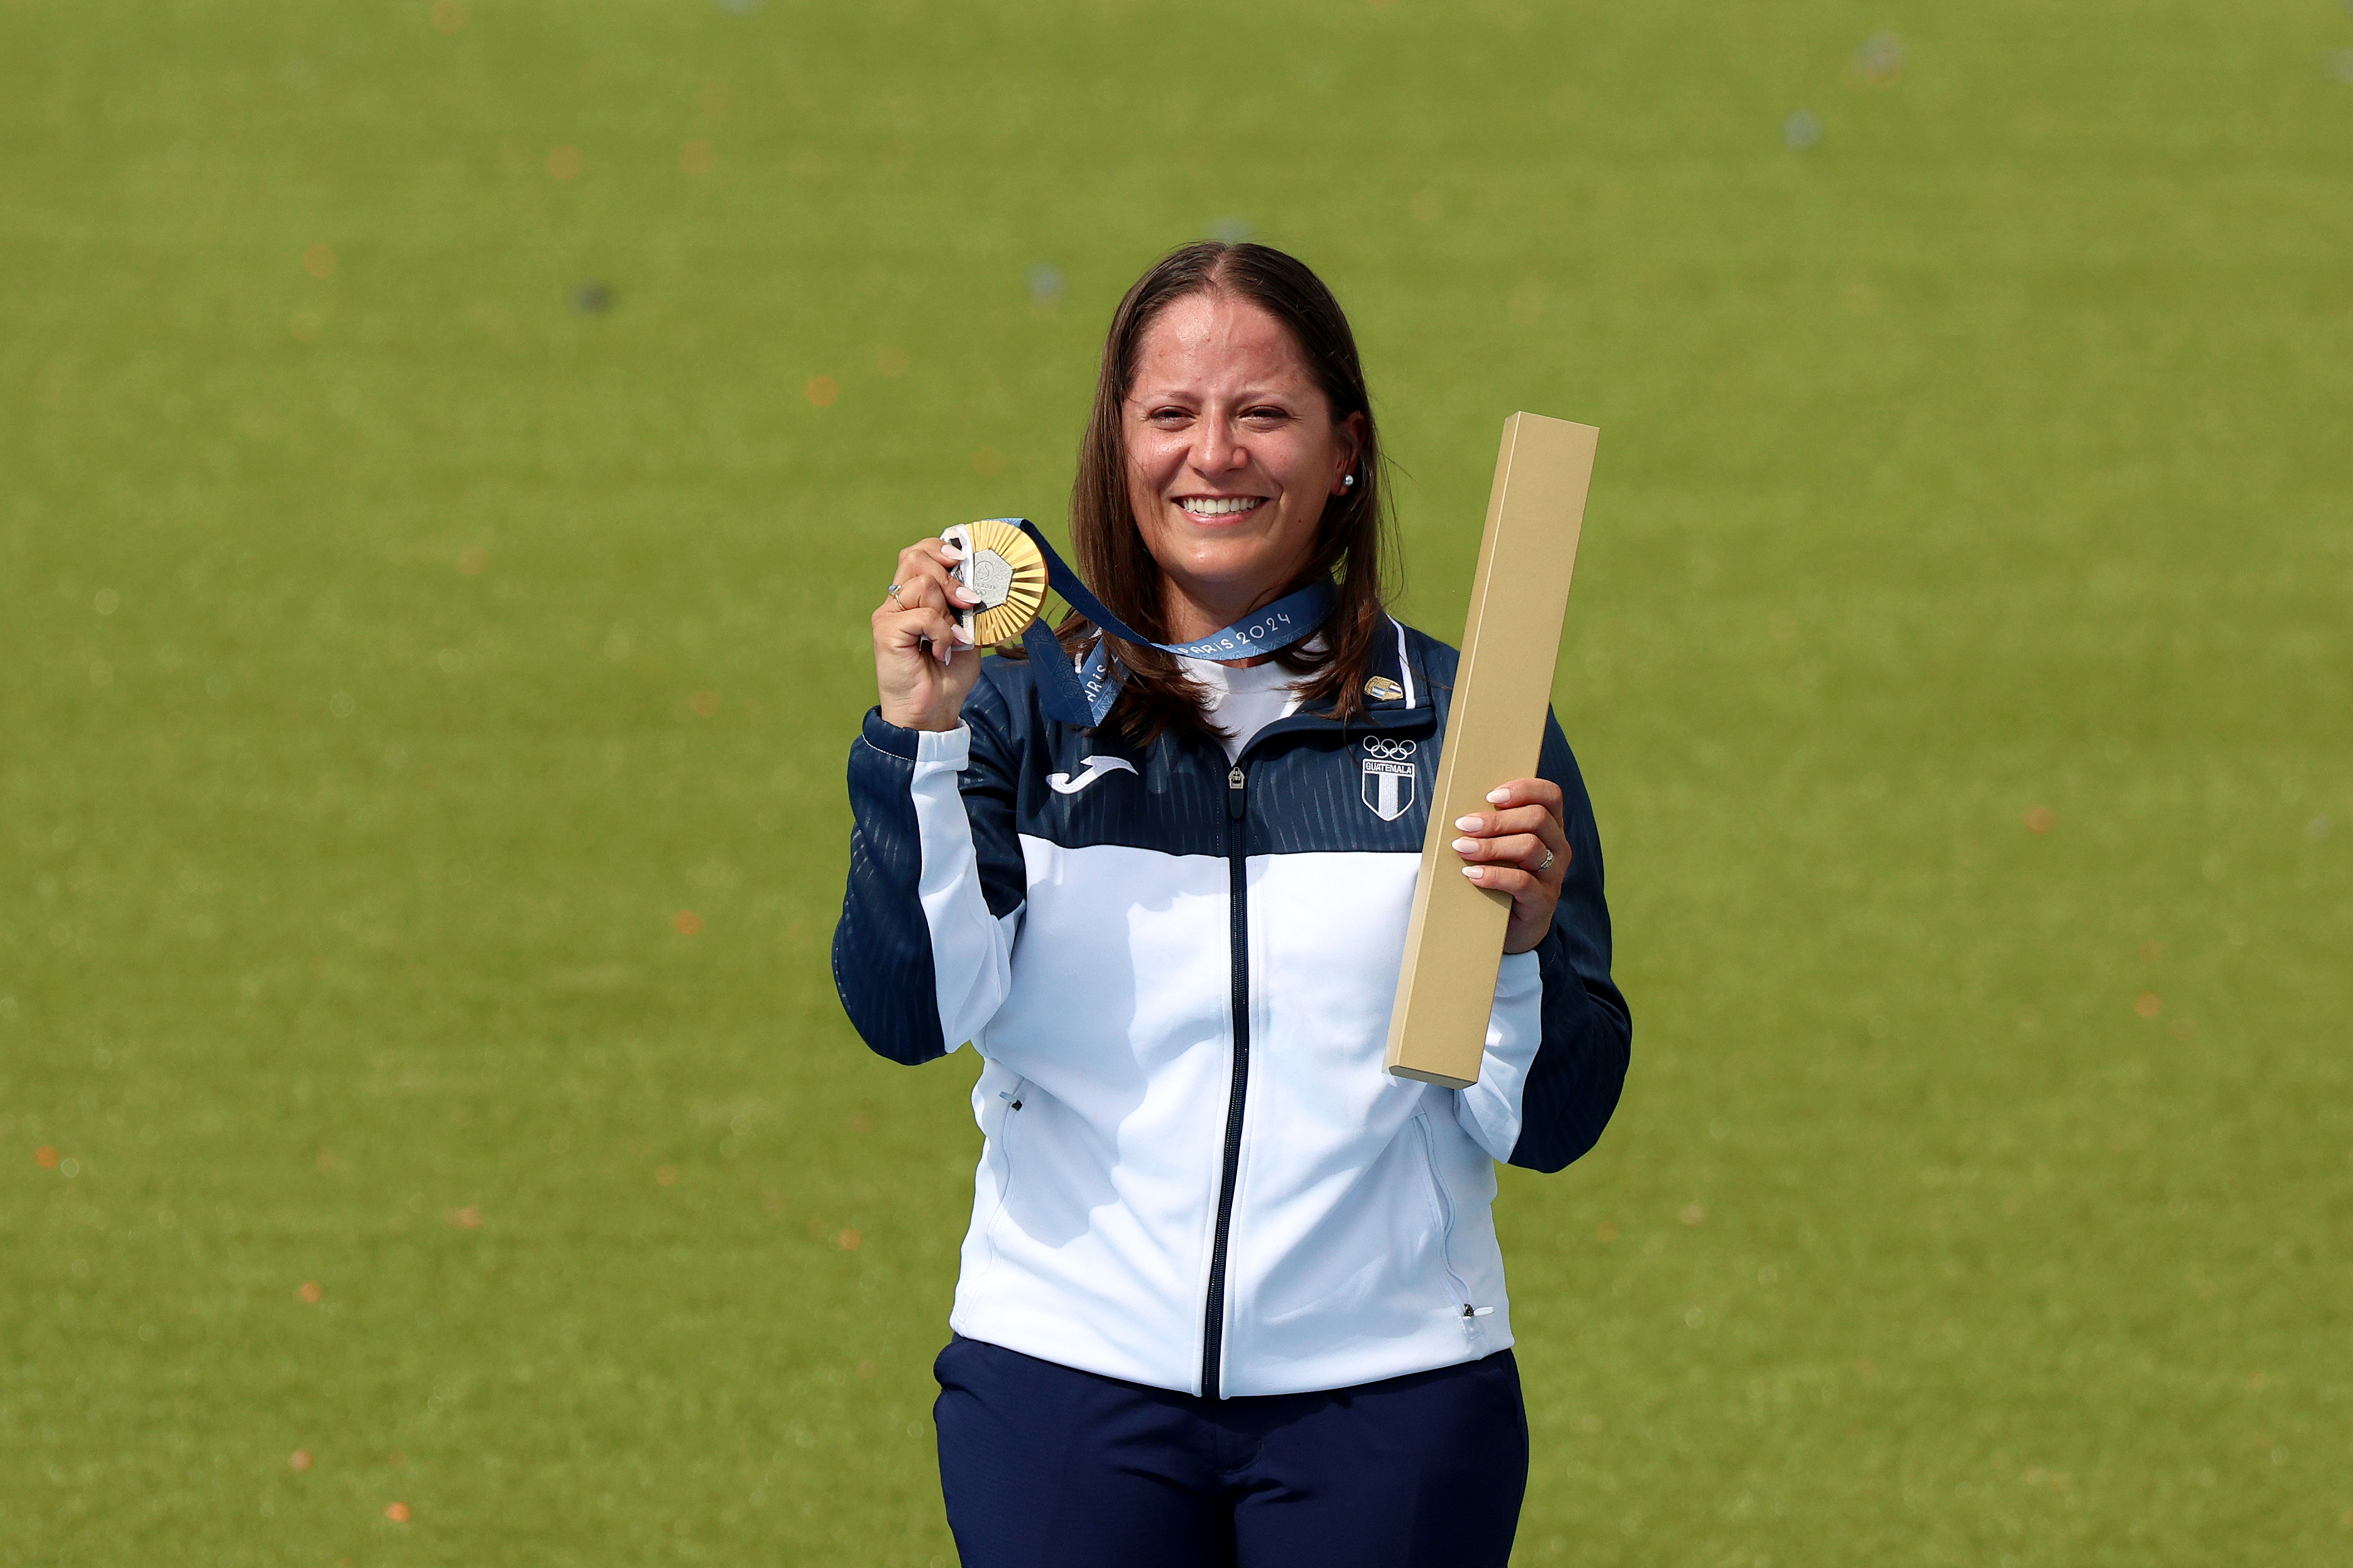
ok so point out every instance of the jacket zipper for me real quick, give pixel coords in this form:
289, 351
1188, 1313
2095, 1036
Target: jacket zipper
1213, 1325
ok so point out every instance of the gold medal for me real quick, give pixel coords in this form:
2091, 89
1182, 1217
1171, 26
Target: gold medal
1006, 570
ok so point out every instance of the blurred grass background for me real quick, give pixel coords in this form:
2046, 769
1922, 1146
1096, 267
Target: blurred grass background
448, 451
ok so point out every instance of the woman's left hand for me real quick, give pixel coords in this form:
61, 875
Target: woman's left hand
1519, 847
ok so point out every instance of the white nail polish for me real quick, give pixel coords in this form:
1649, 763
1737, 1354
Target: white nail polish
1465, 846
1467, 824
1472, 872
1499, 796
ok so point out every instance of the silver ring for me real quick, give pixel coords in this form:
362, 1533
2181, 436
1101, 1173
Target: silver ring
894, 591
1546, 864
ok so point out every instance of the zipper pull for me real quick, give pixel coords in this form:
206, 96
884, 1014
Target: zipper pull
1006, 1095
1237, 784
1471, 1311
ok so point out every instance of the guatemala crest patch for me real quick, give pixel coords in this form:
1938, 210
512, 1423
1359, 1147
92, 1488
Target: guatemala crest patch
1387, 788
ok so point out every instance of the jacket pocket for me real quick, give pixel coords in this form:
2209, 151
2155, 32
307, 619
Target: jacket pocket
1441, 1205
1009, 1121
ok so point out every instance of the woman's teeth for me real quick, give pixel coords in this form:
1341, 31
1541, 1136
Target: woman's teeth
1219, 506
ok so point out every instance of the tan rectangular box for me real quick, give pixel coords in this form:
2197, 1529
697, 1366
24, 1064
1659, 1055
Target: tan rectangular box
1438, 1031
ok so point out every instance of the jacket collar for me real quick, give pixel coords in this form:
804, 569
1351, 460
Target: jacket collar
1394, 665
1395, 661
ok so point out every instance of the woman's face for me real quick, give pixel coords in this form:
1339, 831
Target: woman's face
1232, 451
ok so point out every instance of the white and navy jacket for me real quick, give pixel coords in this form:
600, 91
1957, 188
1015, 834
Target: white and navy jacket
1178, 972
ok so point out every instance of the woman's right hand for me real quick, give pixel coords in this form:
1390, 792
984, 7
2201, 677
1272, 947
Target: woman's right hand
924, 669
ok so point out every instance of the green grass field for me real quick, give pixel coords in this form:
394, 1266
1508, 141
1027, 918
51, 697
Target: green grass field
423, 697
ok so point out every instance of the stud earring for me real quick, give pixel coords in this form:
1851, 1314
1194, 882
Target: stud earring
1347, 480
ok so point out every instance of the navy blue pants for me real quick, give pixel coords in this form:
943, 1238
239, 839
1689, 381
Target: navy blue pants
1048, 1466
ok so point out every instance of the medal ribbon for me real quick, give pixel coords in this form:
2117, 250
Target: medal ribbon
1081, 697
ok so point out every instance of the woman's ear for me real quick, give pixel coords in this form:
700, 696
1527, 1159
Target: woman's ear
1351, 432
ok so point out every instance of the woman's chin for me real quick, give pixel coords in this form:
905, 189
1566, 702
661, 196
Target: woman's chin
1229, 571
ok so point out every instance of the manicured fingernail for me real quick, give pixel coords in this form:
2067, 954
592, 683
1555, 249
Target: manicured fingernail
951, 553
1499, 796
1469, 824
1472, 872
1466, 847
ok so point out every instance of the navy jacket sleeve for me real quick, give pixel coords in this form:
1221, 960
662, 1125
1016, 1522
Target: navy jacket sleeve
1573, 1084
906, 976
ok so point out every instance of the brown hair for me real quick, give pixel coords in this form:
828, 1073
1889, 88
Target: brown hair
1352, 536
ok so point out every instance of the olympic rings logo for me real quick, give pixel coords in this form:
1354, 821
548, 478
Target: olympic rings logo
1388, 749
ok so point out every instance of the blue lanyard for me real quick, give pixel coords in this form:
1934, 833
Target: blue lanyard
1081, 697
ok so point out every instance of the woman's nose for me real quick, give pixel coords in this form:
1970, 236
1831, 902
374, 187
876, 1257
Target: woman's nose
1217, 449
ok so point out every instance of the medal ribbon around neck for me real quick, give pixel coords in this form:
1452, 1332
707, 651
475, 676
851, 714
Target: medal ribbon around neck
1081, 697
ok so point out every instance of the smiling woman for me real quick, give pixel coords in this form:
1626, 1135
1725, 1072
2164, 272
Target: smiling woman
1230, 458
1233, 452
1231, 1293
